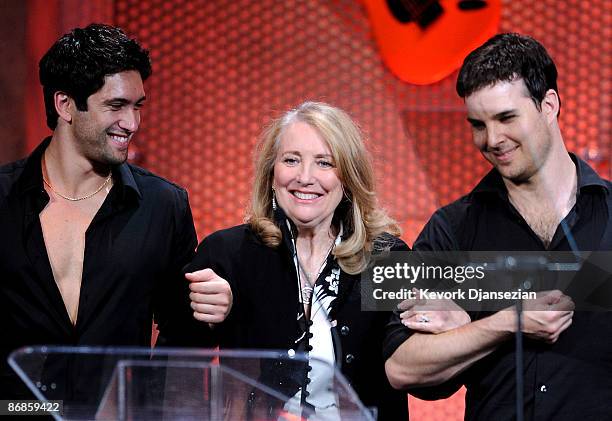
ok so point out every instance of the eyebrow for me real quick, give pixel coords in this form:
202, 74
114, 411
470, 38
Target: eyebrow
498, 116
504, 114
321, 155
123, 101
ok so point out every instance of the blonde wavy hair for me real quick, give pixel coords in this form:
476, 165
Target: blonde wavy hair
363, 219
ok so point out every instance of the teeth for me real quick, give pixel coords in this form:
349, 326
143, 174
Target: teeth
305, 196
121, 139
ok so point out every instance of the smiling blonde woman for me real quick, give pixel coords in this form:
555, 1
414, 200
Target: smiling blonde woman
295, 267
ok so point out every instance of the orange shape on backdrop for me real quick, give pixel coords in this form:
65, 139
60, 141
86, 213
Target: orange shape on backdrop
427, 54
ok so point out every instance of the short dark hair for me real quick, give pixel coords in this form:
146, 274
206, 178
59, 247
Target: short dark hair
78, 62
509, 57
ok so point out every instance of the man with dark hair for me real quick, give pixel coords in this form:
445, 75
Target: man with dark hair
78, 62
92, 247
537, 197
506, 58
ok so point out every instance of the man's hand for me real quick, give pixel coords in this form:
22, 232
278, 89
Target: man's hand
546, 317
432, 316
211, 296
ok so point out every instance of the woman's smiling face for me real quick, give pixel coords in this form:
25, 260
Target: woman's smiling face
306, 180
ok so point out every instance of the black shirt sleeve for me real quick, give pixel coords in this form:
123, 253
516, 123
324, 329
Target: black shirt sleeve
437, 235
220, 251
173, 313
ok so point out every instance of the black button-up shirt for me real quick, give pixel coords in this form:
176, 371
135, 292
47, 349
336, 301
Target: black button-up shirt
569, 380
135, 249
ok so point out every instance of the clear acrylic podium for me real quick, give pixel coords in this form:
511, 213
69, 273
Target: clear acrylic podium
182, 384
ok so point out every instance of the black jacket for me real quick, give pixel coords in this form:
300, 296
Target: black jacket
263, 316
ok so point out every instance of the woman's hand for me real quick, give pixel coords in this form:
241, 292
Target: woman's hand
211, 296
432, 316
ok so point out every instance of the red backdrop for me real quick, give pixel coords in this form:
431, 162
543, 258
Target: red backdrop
223, 67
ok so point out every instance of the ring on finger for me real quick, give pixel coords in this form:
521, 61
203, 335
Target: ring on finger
422, 318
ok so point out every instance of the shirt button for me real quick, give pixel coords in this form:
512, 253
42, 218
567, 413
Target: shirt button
349, 358
344, 330
543, 388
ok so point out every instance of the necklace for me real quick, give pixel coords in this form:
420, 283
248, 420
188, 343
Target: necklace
308, 289
307, 294
76, 199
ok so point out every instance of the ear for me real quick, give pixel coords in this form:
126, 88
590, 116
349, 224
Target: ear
64, 105
550, 105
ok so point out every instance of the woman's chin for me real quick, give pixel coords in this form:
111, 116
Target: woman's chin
310, 223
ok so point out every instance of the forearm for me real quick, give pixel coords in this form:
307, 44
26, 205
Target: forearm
429, 359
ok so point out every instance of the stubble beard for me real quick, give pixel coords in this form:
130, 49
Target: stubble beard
99, 151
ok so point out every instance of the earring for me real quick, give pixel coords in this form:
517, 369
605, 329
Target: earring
273, 200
